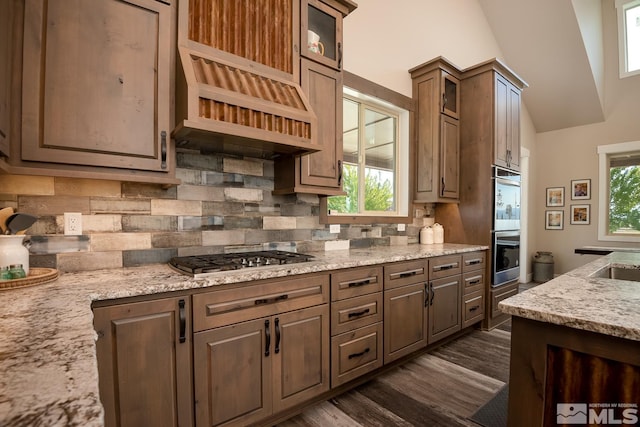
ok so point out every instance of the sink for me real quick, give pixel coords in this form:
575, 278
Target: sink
618, 273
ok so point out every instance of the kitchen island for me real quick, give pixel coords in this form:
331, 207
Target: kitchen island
575, 347
47, 339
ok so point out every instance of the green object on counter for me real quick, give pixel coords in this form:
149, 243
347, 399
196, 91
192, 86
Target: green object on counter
16, 271
5, 274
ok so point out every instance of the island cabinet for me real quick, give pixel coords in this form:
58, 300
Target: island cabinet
144, 362
406, 304
321, 80
356, 323
260, 349
444, 296
437, 150
559, 373
96, 88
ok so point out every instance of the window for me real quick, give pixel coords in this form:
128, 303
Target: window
629, 36
619, 196
375, 158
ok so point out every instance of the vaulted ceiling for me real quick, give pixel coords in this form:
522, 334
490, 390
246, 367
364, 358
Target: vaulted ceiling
559, 44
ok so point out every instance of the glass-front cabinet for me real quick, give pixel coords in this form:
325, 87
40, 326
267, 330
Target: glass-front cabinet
321, 33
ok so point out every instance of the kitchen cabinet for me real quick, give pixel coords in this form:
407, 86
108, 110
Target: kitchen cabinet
356, 323
144, 362
321, 172
406, 302
437, 149
444, 296
96, 90
7, 39
491, 97
247, 368
321, 80
473, 287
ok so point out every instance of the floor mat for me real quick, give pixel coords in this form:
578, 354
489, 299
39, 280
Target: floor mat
494, 412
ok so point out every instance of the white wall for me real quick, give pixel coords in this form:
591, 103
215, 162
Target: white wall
383, 40
568, 154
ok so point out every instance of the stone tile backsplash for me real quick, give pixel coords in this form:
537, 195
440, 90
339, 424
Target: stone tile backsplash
224, 204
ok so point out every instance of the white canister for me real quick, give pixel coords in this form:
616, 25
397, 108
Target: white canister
426, 236
438, 233
13, 251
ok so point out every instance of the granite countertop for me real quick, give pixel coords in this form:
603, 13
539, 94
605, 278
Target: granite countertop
49, 374
579, 300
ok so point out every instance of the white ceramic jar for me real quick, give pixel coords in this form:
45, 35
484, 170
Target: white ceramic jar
438, 233
426, 236
13, 251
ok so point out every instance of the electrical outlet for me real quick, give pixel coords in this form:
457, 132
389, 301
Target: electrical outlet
402, 227
334, 228
72, 223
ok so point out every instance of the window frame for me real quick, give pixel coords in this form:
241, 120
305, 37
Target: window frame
604, 153
621, 7
371, 89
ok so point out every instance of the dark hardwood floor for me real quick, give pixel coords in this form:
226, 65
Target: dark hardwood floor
441, 388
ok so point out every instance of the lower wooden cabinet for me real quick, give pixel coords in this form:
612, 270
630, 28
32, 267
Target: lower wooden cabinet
245, 372
144, 363
405, 320
444, 307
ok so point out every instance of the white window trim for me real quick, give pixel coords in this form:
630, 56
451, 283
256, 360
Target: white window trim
603, 188
621, 6
402, 162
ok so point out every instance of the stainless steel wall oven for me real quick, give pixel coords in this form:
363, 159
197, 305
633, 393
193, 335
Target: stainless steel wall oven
506, 257
506, 226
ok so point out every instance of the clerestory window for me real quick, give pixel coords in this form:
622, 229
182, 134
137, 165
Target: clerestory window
629, 36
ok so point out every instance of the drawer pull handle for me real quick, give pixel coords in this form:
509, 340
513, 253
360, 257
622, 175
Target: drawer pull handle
409, 273
267, 336
183, 321
474, 308
358, 313
360, 283
276, 349
445, 266
474, 261
366, 350
272, 300
474, 282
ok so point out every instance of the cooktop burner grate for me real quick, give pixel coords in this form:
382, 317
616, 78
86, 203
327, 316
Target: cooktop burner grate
197, 264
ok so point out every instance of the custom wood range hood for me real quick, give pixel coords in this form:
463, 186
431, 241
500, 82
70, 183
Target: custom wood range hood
237, 82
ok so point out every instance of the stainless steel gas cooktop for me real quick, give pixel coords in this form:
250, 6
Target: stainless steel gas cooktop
199, 264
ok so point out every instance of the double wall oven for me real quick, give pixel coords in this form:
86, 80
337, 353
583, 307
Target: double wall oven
506, 226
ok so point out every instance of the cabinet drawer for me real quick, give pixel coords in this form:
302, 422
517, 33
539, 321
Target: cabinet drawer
228, 306
356, 312
472, 282
473, 261
498, 294
472, 308
444, 266
405, 273
355, 282
355, 353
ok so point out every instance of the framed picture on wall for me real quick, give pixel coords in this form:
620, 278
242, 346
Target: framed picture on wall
554, 220
580, 189
580, 214
555, 196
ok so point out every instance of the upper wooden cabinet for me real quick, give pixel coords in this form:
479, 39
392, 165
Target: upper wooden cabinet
321, 33
6, 62
437, 150
491, 98
96, 90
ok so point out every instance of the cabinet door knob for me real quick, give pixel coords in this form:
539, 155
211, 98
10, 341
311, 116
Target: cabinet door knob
267, 336
183, 321
339, 55
339, 173
276, 349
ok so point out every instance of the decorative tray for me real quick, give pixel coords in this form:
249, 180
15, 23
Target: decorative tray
36, 276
